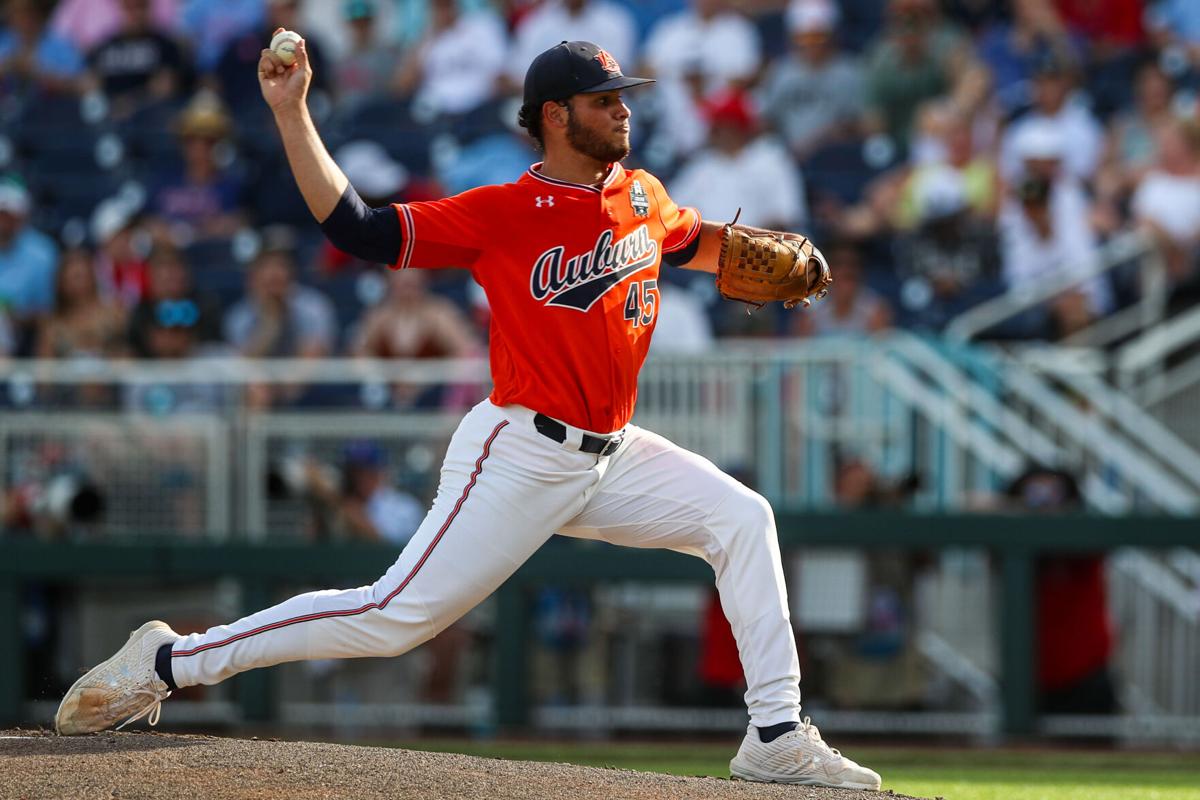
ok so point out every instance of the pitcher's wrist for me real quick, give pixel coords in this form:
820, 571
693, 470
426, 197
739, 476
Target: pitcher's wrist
290, 113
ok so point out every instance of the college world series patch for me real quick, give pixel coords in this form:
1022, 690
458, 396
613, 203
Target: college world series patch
638, 200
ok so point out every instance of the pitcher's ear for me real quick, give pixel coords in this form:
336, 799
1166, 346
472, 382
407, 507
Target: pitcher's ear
556, 111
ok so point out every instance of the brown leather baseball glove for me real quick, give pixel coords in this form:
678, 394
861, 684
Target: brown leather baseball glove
760, 267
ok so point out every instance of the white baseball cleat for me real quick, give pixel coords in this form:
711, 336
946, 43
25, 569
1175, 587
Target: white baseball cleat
120, 690
800, 756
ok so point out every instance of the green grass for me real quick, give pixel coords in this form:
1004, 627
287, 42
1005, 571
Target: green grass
955, 774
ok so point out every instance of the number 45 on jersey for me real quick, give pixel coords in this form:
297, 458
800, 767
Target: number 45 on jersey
642, 302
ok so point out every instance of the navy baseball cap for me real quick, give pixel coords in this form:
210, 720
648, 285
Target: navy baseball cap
571, 68
364, 454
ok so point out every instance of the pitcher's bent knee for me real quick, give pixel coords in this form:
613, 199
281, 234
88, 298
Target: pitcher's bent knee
755, 510
747, 512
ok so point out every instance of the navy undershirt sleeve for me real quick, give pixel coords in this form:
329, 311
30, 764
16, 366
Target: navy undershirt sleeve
372, 234
681, 257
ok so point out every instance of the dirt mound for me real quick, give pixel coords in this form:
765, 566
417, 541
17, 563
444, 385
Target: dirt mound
137, 766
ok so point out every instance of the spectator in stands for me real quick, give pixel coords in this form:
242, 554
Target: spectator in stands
28, 258
1055, 102
1113, 26
140, 64
235, 71
1074, 632
456, 65
878, 665
279, 318
949, 259
1115, 37
1166, 204
1011, 49
366, 68
82, 325
365, 504
693, 53
1174, 27
708, 39
853, 309
210, 25
814, 95
172, 330
1132, 148
918, 58
741, 169
121, 244
33, 58
718, 665
554, 21
856, 484
561, 623
414, 323
171, 302
949, 138
87, 23
945, 145
202, 199
1046, 231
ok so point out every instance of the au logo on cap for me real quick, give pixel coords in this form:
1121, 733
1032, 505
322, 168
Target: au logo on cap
609, 63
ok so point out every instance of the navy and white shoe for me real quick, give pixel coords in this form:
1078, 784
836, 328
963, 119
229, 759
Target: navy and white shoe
801, 757
120, 690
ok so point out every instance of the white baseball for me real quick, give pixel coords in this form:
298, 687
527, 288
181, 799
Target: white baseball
284, 45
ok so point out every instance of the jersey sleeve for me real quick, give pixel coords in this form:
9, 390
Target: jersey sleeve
444, 233
682, 225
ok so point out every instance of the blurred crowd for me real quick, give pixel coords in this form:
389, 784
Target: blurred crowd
942, 152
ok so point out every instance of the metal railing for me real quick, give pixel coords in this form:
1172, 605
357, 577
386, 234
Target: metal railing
1120, 471
786, 416
1161, 369
121, 472
1174, 400
1153, 597
1173, 453
1158, 620
1123, 457
1118, 252
1142, 358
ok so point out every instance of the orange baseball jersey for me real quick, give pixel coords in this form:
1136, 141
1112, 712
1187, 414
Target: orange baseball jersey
571, 275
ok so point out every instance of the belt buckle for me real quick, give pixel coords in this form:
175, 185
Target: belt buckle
612, 445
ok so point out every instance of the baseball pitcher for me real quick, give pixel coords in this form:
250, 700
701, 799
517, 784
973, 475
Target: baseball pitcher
569, 256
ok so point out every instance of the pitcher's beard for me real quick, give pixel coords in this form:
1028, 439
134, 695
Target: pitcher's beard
593, 145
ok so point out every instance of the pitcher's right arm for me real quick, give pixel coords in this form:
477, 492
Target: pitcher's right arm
371, 234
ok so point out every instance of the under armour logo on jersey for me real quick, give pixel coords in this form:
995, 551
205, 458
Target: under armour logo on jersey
579, 281
548, 200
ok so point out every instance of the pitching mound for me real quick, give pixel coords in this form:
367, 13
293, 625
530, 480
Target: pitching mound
137, 766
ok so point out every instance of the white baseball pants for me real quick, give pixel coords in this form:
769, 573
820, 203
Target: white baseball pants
505, 489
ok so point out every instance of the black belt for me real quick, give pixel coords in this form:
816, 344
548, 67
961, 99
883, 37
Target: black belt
599, 445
